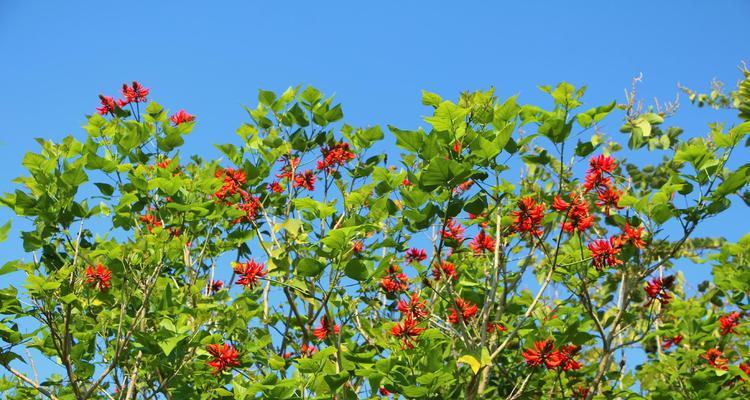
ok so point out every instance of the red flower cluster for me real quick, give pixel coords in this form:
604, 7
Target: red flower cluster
528, 217
657, 290
604, 253
99, 277
181, 117
134, 94
415, 255
408, 331
495, 326
233, 179
599, 166
150, 221
307, 350
544, 353
396, 281
444, 269
335, 156
466, 308
275, 187
249, 273
729, 322
224, 357
633, 236
289, 168
453, 231
464, 186
306, 180
414, 307
715, 359
108, 105
215, 286
577, 213
672, 341
357, 247
250, 206
325, 329
608, 199
482, 242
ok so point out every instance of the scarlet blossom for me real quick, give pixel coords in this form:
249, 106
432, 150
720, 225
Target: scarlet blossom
150, 221
98, 277
567, 363
290, 166
608, 198
287, 355
335, 156
395, 281
543, 353
181, 117
604, 253
415, 255
633, 236
164, 164
457, 146
276, 187
581, 392
465, 307
495, 326
108, 105
383, 391
215, 286
672, 341
307, 350
453, 230
250, 207
464, 186
306, 180
224, 357
135, 93
528, 217
357, 247
657, 290
577, 213
729, 322
233, 180
482, 242
715, 359
249, 273
406, 182
407, 331
745, 368
444, 269
414, 307
322, 331
599, 166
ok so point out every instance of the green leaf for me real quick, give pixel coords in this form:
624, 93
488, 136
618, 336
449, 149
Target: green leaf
4, 231
448, 117
266, 97
357, 270
472, 362
442, 172
309, 267
431, 99
408, 140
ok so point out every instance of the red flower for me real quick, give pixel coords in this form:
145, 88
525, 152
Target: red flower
581, 392
384, 392
357, 247
414, 307
715, 359
729, 322
335, 156
567, 363
249, 273
150, 221
672, 341
482, 242
528, 217
577, 213
233, 179
543, 353
745, 368
307, 350
98, 277
407, 331
608, 198
445, 269
603, 253
164, 164
453, 231
250, 206
215, 286
290, 166
633, 236
224, 356
406, 182
135, 93
108, 105
306, 180
595, 177
395, 281
495, 326
467, 309
322, 331
657, 290
464, 186
181, 117
276, 187
415, 255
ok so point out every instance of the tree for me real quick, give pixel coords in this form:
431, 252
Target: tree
355, 278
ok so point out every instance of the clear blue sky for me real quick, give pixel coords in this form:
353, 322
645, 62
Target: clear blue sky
58, 56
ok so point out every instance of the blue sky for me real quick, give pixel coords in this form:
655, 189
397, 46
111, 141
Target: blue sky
376, 57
